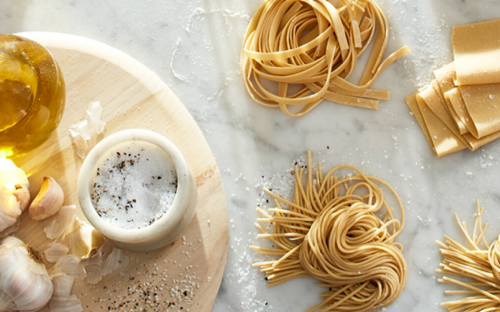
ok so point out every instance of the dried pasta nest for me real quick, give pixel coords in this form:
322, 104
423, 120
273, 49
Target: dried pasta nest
310, 48
333, 232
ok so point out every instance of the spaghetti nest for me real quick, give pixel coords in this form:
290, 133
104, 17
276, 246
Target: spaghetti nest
331, 231
315, 45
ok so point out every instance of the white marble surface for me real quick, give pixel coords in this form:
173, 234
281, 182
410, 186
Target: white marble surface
194, 46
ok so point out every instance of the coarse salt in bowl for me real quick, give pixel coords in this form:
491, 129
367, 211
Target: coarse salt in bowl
136, 188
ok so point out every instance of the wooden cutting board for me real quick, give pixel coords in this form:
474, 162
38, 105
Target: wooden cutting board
183, 276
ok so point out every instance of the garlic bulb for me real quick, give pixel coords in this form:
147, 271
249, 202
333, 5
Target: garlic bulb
85, 240
24, 282
14, 193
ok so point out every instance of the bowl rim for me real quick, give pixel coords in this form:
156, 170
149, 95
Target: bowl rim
160, 227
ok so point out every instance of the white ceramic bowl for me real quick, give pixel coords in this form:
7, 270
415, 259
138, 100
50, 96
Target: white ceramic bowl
162, 231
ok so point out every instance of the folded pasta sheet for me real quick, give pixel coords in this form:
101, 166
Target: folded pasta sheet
483, 105
461, 108
476, 49
440, 137
457, 106
444, 77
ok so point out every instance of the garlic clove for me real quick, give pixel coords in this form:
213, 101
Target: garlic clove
48, 201
14, 194
23, 196
85, 240
8, 201
11, 175
9, 208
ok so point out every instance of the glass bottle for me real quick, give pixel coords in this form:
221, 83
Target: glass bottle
32, 95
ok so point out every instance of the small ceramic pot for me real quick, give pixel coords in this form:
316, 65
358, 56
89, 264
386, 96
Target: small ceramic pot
164, 230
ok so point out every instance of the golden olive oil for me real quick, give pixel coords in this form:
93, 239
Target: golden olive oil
32, 95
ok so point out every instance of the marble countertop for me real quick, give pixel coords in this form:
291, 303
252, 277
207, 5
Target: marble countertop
194, 46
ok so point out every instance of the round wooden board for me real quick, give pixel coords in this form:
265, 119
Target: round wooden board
132, 96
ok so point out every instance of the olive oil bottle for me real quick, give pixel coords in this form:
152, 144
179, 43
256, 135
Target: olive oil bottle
32, 95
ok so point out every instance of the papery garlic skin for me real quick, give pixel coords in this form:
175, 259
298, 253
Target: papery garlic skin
14, 193
85, 131
94, 112
55, 251
49, 200
63, 301
99, 268
24, 282
62, 225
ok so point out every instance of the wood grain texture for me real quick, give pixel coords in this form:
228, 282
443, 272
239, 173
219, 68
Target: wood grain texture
132, 96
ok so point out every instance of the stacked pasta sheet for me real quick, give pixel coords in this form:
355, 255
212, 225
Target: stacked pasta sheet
461, 108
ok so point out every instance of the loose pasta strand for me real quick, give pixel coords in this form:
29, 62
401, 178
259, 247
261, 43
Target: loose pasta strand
479, 264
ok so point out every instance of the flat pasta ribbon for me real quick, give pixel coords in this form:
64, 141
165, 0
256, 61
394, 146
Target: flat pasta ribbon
310, 48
